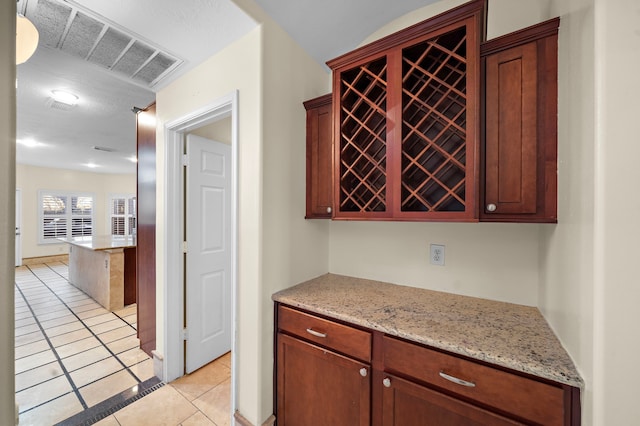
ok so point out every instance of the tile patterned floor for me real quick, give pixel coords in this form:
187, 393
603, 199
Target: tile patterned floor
200, 398
70, 352
75, 359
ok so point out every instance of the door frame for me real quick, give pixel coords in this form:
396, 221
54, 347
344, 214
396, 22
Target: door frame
175, 130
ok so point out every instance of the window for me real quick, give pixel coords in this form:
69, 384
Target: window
64, 215
122, 214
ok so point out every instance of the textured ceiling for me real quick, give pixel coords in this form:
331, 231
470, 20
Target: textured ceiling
70, 56
189, 31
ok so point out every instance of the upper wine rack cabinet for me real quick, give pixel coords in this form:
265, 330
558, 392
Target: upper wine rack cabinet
406, 111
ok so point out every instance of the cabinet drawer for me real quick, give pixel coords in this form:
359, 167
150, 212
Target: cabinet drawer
532, 400
341, 338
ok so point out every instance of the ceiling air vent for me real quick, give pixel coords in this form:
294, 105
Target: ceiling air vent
77, 31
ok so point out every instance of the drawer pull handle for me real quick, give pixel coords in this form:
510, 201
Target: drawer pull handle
316, 333
456, 380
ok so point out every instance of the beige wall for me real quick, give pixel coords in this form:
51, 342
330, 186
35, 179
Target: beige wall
31, 179
294, 249
567, 257
7, 207
590, 292
235, 68
219, 131
617, 204
277, 247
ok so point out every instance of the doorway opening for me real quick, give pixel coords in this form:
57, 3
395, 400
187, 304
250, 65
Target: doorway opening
224, 109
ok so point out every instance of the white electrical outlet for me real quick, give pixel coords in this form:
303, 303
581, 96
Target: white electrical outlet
436, 254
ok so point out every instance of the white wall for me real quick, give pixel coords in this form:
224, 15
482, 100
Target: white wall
7, 207
31, 179
496, 261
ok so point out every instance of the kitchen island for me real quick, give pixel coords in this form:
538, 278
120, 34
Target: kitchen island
104, 267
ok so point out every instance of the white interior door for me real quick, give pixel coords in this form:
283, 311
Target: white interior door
208, 258
18, 227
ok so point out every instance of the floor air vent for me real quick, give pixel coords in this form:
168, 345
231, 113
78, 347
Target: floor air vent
81, 33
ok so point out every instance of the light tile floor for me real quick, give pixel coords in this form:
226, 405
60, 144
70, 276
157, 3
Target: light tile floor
200, 398
70, 352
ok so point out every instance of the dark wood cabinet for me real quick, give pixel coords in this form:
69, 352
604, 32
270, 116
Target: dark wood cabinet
408, 404
319, 158
330, 372
519, 182
146, 230
317, 385
430, 123
406, 139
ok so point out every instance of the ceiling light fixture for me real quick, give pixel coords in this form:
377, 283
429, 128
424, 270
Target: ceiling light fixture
64, 97
26, 39
133, 159
29, 143
91, 165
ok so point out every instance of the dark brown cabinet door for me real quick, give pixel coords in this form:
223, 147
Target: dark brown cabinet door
520, 135
408, 404
319, 158
146, 230
319, 387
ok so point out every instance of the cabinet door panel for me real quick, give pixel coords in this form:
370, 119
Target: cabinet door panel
319, 387
511, 130
408, 404
319, 158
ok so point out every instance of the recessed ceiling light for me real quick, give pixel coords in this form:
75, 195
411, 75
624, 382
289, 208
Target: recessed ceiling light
30, 143
92, 165
64, 97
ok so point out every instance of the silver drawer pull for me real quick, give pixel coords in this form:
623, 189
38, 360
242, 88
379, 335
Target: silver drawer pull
363, 372
316, 333
456, 380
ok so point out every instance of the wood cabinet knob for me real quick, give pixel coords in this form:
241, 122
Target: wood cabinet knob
386, 382
491, 207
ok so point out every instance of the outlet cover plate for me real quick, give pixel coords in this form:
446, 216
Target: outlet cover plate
436, 254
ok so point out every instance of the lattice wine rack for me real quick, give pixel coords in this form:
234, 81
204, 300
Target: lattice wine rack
433, 124
406, 135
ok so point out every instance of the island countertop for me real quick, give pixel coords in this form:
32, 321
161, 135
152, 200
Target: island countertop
504, 334
102, 242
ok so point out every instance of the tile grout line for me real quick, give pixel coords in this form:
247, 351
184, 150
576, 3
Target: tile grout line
89, 328
55, 353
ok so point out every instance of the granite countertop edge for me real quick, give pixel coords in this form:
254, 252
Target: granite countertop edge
533, 349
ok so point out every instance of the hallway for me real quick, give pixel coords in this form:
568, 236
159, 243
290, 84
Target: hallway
79, 364
70, 353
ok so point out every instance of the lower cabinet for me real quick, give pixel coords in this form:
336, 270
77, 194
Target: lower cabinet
320, 387
332, 373
409, 404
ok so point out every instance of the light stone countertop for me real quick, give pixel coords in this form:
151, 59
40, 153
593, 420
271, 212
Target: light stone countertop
101, 242
505, 334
